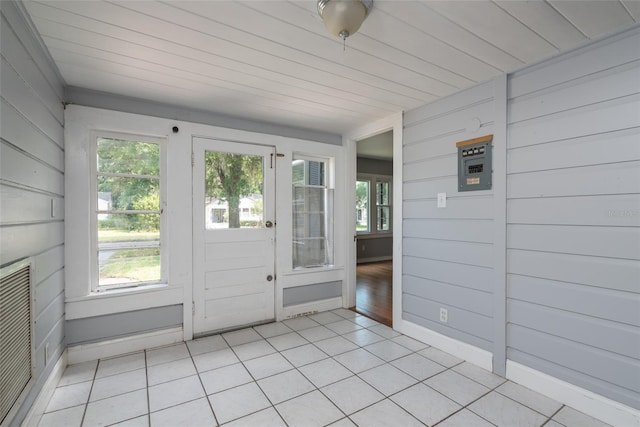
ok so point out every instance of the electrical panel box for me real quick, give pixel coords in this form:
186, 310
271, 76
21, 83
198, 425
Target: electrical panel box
474, 164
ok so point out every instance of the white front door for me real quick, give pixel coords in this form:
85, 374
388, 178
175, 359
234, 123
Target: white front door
233, 234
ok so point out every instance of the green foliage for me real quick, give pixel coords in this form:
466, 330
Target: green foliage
230, 177
140, 192
147, 222
362, 194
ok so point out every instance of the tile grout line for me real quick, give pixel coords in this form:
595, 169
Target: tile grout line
450, 368
93, 380
252, 377
553, 415
206, 396
489, 391
329, 357
354, 374
146, 375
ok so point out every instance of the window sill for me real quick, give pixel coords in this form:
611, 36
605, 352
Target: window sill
114, 292
311, 270
310, 276
123, 300
384, 235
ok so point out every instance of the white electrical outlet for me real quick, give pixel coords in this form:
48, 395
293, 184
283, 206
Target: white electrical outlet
444, 315
442, 200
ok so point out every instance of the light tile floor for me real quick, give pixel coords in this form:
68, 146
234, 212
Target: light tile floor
335, 368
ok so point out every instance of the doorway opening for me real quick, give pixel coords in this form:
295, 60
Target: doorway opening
374, 227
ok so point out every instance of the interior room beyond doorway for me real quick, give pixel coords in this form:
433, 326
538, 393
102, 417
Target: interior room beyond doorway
374, 227
374, 291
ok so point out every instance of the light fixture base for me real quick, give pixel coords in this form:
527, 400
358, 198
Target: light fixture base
368, 4
344, 17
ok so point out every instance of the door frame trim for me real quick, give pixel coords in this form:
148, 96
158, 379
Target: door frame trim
349, 141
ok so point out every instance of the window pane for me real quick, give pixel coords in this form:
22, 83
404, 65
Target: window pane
382, 193
128, 265
312, 215
383, 218
233, 190
128, 228
308, 172
128, 157
117, 193
312, 225
128, 243
362, 206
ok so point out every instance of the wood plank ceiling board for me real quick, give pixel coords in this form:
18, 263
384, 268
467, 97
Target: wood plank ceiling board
497, 27
440, 78
324, 53
274, 61
633, 7
327, 54
217, 66
428, 21
595, 17
391, 34
546, 21
160, 74
210, 72
161, 93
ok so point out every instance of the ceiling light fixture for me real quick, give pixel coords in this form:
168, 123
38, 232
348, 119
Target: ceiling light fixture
343, 17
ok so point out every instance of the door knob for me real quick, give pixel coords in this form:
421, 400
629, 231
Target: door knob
268, 224
269, 278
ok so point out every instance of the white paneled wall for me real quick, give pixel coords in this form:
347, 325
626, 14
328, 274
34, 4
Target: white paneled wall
574, 218
32, 181
447, 253
551, 255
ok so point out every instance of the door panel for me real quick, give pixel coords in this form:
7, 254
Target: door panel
233, 248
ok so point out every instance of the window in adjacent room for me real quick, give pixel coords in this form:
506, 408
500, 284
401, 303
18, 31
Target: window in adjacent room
128, 197
312, 213
373, 204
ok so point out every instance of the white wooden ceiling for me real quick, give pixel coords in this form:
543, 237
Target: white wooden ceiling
274, 61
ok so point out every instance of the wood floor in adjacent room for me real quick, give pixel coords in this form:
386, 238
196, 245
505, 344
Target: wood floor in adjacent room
374, 291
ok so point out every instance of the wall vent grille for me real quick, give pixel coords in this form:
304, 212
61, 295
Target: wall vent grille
15, 334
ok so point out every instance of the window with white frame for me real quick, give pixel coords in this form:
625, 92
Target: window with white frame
373, 204
128, 204
312, 213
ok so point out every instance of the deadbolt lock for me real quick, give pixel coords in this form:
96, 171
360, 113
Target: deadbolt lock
269, 278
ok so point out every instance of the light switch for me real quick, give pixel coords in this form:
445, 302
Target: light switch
442, 200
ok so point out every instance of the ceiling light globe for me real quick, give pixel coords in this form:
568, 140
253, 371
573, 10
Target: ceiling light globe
343, 17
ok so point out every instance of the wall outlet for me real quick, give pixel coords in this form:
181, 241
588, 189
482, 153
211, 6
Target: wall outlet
444, 315
442, 200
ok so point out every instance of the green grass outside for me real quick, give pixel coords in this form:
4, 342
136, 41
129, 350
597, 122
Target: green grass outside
126, 236
140, 269
132, 253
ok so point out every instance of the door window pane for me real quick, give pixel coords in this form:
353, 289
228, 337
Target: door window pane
233, 190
